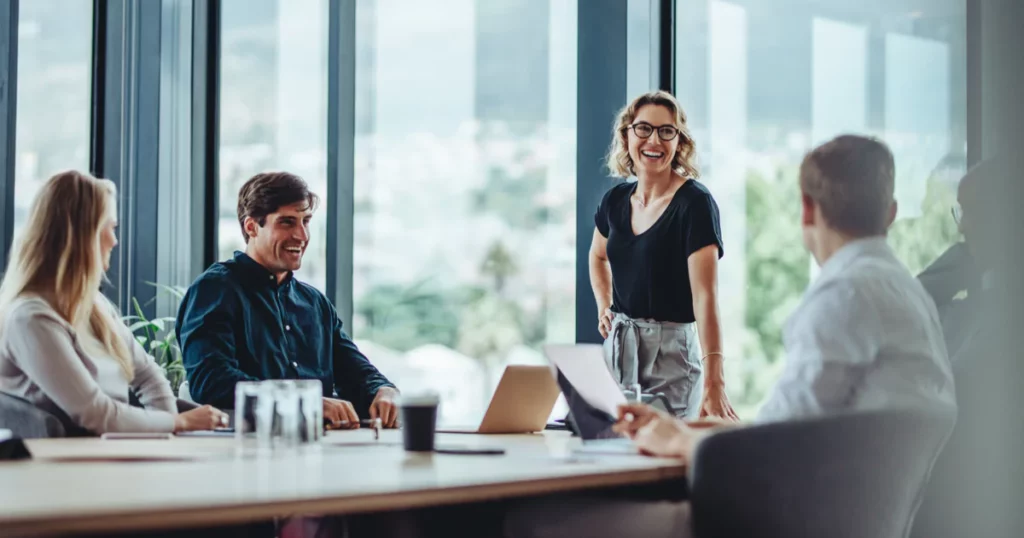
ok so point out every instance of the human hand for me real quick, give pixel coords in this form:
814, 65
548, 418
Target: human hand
715, 403
206, 417
340, 415
634, 416
655, 432
384, 407
604, 322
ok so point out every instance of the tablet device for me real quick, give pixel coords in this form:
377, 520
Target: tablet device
113, 436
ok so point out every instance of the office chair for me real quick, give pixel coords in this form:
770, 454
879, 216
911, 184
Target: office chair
848, 476
27, 421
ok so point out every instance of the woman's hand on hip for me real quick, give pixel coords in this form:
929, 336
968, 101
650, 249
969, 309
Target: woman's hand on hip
604, 322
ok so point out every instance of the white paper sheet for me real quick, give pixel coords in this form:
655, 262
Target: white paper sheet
583, 365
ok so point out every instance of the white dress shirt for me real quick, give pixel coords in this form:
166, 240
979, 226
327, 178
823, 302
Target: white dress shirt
866, 336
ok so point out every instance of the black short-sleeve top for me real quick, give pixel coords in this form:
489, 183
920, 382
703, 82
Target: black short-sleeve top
650, 277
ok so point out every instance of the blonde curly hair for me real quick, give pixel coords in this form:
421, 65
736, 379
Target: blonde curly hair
620, 164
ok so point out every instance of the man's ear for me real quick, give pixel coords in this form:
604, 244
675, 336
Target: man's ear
251, 227
892, 214
807, 210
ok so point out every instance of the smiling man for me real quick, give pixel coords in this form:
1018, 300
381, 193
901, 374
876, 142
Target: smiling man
248, 319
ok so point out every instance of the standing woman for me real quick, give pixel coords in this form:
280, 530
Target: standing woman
654, 263
62, 346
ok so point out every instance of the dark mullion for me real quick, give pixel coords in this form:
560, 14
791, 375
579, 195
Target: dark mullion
205, 132
667, 45
601, 91
125, 127
99, 85
341, 90
8, 123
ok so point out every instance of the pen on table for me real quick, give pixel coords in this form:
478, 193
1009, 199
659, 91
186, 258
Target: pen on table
374, 423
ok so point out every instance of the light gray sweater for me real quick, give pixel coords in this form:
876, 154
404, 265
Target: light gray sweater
43, 359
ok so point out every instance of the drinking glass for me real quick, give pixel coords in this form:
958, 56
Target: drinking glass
311, 411
285, 428
253, 405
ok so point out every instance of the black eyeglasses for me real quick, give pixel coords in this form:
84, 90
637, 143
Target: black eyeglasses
645, 130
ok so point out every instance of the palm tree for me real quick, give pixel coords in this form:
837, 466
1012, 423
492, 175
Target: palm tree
499, 265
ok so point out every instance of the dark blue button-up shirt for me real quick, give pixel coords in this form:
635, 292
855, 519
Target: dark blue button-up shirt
236, 323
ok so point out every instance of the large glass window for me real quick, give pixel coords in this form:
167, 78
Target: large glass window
54, 87
273, 113
464, 190
763, 82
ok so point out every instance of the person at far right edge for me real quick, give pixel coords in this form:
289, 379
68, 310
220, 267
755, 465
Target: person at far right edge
654, 263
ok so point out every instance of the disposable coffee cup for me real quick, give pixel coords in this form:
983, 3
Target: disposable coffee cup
419, 420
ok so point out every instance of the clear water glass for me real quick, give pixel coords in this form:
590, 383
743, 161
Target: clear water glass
278, 415
285, 426
253, 399
311, 411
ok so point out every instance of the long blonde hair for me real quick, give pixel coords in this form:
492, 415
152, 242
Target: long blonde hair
684, 163
58, 255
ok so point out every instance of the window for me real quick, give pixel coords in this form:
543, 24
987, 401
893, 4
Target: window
273, 113
465, 189
53, 101
764, 82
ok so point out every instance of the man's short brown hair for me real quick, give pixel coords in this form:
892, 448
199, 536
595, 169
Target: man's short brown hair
852, 179
267, 192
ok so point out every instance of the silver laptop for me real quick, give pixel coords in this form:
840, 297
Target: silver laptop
522, 402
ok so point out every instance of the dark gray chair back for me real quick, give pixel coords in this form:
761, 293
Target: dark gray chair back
849, 476
27, 421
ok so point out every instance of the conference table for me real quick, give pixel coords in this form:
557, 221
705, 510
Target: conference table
93, 485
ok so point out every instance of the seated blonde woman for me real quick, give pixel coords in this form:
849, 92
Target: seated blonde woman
62, 344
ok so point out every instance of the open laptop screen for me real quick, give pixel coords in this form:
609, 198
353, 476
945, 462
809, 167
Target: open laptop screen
585, 420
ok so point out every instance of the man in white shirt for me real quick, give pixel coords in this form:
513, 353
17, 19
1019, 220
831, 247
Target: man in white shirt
867, 335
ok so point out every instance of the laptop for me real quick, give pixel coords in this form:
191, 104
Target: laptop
521, 404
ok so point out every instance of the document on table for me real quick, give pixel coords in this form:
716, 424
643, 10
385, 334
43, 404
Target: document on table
584, 367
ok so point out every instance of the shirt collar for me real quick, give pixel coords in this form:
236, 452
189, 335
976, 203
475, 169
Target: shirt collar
257, 273
874, 247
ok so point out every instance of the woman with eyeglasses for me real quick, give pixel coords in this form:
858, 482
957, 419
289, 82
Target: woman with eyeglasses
654, 263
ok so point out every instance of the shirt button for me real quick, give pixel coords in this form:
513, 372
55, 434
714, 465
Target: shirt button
287, 327
295, 364
271, 277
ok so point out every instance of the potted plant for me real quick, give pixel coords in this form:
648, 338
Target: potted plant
158, 338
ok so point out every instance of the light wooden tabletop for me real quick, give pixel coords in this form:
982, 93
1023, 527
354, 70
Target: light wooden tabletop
92, 485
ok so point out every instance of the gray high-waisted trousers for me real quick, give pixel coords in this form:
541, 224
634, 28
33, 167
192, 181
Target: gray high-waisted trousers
660, 356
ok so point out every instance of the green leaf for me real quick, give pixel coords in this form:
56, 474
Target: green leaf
140, 324
164, 322
150, 329
176, 291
